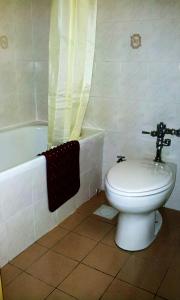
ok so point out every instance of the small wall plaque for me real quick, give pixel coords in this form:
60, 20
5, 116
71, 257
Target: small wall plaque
3, 41
135, 41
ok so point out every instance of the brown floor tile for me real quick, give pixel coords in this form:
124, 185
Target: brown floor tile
93, 229
25, 287
109, 238
52, 268
106, 259
176, 260
170, 287
169, 235
27, 257
90, 206
8, 273
52, 237
73, 221
171, 217
143, 273
99, 218
174, 237
119, 290
160, 250
58, 295
74, 246
85, 283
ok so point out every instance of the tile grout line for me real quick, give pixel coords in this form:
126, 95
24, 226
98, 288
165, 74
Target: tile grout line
33, 261
60, 291
115, 277
6, 285
98, 242
48, 249
139, 287
162, 280
81, 261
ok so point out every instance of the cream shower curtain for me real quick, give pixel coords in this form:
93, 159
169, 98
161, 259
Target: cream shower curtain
71, 47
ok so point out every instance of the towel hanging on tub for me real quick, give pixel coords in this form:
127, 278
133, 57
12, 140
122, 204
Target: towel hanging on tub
63, 179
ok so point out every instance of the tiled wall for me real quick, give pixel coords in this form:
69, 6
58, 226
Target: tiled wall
23, 65
134, 89
41, 23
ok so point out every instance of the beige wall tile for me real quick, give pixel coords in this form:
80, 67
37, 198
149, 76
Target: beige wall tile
24, 87
134, 89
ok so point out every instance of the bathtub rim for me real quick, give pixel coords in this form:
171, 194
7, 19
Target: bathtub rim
87, 134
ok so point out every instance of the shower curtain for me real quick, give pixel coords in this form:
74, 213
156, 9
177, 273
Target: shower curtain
71, 54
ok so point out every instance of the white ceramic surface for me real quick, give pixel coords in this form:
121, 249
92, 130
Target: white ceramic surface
24, 214
138, 177
137, 199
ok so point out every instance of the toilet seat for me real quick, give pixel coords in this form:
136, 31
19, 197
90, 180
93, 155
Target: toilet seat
139, 178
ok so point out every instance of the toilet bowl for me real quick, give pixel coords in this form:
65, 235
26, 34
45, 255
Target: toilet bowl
137, 188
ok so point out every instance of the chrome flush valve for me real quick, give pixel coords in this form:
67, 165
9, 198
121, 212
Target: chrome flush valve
161, 142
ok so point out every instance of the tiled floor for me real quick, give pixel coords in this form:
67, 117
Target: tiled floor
79, 260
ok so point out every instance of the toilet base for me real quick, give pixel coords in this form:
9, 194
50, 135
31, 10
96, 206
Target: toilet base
137, 231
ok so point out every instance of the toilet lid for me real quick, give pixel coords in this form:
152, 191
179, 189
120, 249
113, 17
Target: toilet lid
135, 176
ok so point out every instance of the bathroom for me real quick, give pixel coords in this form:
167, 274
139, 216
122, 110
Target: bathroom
132, 89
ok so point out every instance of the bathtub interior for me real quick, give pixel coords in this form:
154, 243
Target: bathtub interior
21, 145
24, 214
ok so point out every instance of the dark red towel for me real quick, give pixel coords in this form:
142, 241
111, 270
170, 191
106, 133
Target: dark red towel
63, 179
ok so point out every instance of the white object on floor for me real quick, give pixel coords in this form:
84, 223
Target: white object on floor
106, 211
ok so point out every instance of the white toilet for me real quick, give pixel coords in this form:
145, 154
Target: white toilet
137, 188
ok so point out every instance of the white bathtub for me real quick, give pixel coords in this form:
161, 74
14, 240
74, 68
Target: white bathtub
24, 214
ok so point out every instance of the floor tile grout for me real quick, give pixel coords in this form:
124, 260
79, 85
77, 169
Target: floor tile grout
81, 262
6, 285
32, 262
49, 294
67, 293
48, 249
162, 280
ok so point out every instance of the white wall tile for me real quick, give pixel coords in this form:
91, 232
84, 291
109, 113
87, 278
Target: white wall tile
44, 220
23, 91
20, 231
83, 194
85, 157
106, 79
65, 210
42, 106
39, 189
24, 77
115, 10
23, 29
128, 10
95, 181
119, 35
16, 194
41, 10
134, 89
163, 49
3, 245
